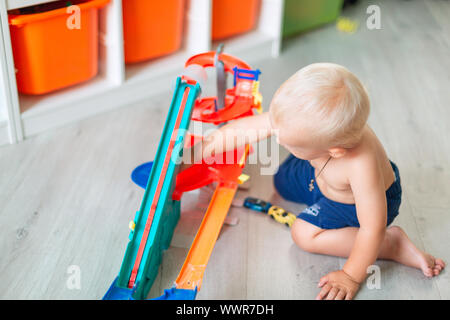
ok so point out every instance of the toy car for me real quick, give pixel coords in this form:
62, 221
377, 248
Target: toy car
282, 216
257, 204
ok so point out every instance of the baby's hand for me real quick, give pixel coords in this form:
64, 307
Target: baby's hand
337, 285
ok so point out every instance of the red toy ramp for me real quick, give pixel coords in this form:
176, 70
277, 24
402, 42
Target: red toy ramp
235, 107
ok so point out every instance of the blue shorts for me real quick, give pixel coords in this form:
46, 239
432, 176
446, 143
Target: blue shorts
292, 182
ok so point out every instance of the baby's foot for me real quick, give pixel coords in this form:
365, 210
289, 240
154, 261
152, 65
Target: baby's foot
405, 252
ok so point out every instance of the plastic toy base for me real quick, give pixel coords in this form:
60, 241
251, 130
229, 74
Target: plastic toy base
117, 293
178, 294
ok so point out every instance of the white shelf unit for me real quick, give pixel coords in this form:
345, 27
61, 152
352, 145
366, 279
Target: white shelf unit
10, 124
118, 84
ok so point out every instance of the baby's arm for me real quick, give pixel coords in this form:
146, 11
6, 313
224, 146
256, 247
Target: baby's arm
236, 134
370, 199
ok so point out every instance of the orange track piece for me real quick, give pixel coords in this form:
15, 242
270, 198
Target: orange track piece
191, 274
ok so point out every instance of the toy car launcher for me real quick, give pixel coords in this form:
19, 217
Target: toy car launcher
153, 226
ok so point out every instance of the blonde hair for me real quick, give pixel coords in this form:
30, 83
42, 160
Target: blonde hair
330, 97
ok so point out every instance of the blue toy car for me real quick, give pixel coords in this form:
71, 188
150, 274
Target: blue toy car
257, 204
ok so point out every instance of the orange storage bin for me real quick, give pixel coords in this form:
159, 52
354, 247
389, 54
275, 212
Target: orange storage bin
151, 28
51, 51
232, 17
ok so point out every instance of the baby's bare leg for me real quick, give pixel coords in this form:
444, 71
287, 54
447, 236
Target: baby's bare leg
339, 242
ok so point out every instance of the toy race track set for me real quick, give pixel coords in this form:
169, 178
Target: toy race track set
153, 226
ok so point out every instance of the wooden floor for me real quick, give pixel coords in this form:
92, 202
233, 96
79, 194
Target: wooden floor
66, 197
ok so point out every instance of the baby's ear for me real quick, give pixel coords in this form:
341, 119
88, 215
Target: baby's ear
337, 152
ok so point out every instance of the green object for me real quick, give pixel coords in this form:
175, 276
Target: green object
303, 15
167, 211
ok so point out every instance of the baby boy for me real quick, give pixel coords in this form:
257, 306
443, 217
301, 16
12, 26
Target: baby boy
339, 169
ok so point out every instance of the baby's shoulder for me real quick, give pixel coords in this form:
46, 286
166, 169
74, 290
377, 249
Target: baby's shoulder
368, 158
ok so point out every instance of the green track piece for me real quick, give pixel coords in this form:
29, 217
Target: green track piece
167, 211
